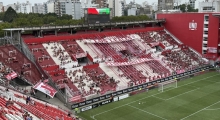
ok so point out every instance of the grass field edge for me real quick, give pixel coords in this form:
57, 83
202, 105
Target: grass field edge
93, 117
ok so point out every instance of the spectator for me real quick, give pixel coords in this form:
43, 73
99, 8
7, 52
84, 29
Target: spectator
7, 90
9, 103
28, 99
2, 111
25, 115
23, 110
32, 91
69, 114
28, 117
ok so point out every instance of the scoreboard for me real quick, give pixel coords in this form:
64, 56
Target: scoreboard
97, 15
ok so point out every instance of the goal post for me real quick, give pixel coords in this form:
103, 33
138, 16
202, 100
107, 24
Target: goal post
167, 84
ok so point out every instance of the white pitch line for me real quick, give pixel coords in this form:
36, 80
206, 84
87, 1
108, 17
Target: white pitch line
93, 117
213, 109
150, 96
176, 95
158, 97
199, 110
146, 112
181, 94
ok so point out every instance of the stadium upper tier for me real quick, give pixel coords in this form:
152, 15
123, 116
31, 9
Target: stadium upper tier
13, 61
116, 59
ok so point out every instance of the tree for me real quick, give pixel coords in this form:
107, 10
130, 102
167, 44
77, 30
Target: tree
189, 8
130, 18
3, 26
66, 17
10, 15
22, 22
1, 15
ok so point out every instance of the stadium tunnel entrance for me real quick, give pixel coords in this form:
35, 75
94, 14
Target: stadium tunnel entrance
83, 61
19, 84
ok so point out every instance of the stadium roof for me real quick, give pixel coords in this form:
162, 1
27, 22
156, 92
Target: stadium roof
82, 25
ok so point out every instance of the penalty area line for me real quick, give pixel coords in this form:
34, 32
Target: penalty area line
147, 112
213, 109
199, 111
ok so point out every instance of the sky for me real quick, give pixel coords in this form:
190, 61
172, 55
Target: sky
6, 2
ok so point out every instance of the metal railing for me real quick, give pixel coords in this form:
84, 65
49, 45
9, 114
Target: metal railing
25, 28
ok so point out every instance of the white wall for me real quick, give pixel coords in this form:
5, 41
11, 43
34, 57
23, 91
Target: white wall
214, 4
38, 8
116, 6
1, 6
132, 11
77, 10
50, 8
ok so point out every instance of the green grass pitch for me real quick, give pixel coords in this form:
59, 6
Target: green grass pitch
196, 98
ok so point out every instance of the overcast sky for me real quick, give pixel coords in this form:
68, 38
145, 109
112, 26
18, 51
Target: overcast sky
6, 2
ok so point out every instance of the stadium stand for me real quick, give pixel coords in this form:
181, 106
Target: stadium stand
131, 57
18, 64
114, 60
14, 106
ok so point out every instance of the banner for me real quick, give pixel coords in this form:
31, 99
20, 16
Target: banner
86, 108
95, 102
81, 55
133, 62
75, 98
154, 44
11, 75
43, 87
212, 50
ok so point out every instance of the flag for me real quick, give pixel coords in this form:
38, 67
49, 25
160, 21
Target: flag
45, 88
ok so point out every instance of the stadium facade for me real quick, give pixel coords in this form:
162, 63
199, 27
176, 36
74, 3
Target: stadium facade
197, 30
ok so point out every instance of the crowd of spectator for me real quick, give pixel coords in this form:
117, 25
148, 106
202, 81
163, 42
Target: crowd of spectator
5, 70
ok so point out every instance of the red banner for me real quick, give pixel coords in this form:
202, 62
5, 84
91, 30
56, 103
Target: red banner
11, 75
75, 99
45, 88
154, 44
80, 55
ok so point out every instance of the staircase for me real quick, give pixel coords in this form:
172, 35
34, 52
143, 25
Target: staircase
110, 72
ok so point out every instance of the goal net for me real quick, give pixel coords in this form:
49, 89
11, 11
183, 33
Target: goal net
167, 84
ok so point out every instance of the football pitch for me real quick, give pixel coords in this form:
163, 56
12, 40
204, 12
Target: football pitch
196, 98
